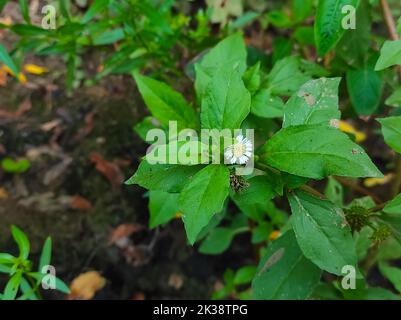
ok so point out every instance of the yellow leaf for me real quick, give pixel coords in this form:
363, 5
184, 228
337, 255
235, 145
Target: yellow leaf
371, 182
21, 77
86, 285
3, 194
274, 235
34, 69
348, 128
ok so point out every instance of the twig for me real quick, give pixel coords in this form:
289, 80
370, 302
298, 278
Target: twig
313, 191
358, 189
389, 20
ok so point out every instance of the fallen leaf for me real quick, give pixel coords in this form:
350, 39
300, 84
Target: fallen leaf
176, 281
34, 69
50, 125
372, 182
110, 170
25, 106
80, 203
348, 128
3, 194
138, 296
86, 285
123, 231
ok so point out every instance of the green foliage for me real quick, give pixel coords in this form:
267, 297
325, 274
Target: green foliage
391, 128
15, 166
23, 281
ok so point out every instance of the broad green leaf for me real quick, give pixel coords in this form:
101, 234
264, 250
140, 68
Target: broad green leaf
391, 129
6, 59
389, 249
11, 289
163, 207
323, 234
395, 99
393, 221
286, 76
377, 293
202, 197
316, 151
217, 241
165, 103
354, 44
22, 241
4, 269
284, 273
164, 177
394, 206
46, 254
145, 125
245, 275
365, 88
363, 241
391, 273
301, 9
96, 7
226, 101
229, 52
261, 189
390, 54
328, 23
315, 102
265, 105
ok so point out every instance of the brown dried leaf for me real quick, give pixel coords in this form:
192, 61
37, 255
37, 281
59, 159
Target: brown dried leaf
110, 170
86, 285
80, 203
124, 231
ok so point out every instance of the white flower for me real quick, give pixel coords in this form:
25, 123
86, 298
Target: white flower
240, 152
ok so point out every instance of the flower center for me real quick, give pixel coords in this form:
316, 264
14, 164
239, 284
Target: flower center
238, 150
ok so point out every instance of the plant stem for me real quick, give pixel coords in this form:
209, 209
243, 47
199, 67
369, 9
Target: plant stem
312, 191
358, 189
389, 20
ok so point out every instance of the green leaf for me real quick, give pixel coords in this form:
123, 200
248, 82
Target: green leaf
25, 10
226, 102
6, 258
244, 275
365, 88
316, 151
27, 290
163, 207
328, 23
284, 273
301, 9
21, 240
322, 232
391, 273
390, 54
395, 99
394, 206
15, 166
334, 192
217, 241
164, 103
354, 45
230, 52
391, 129
11, 289
202, 197
286, 76
261, 189
6, 59
265, 105
61, 286
108, 37
315, 102
46, 254
252, 78
164, 177
96, 7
